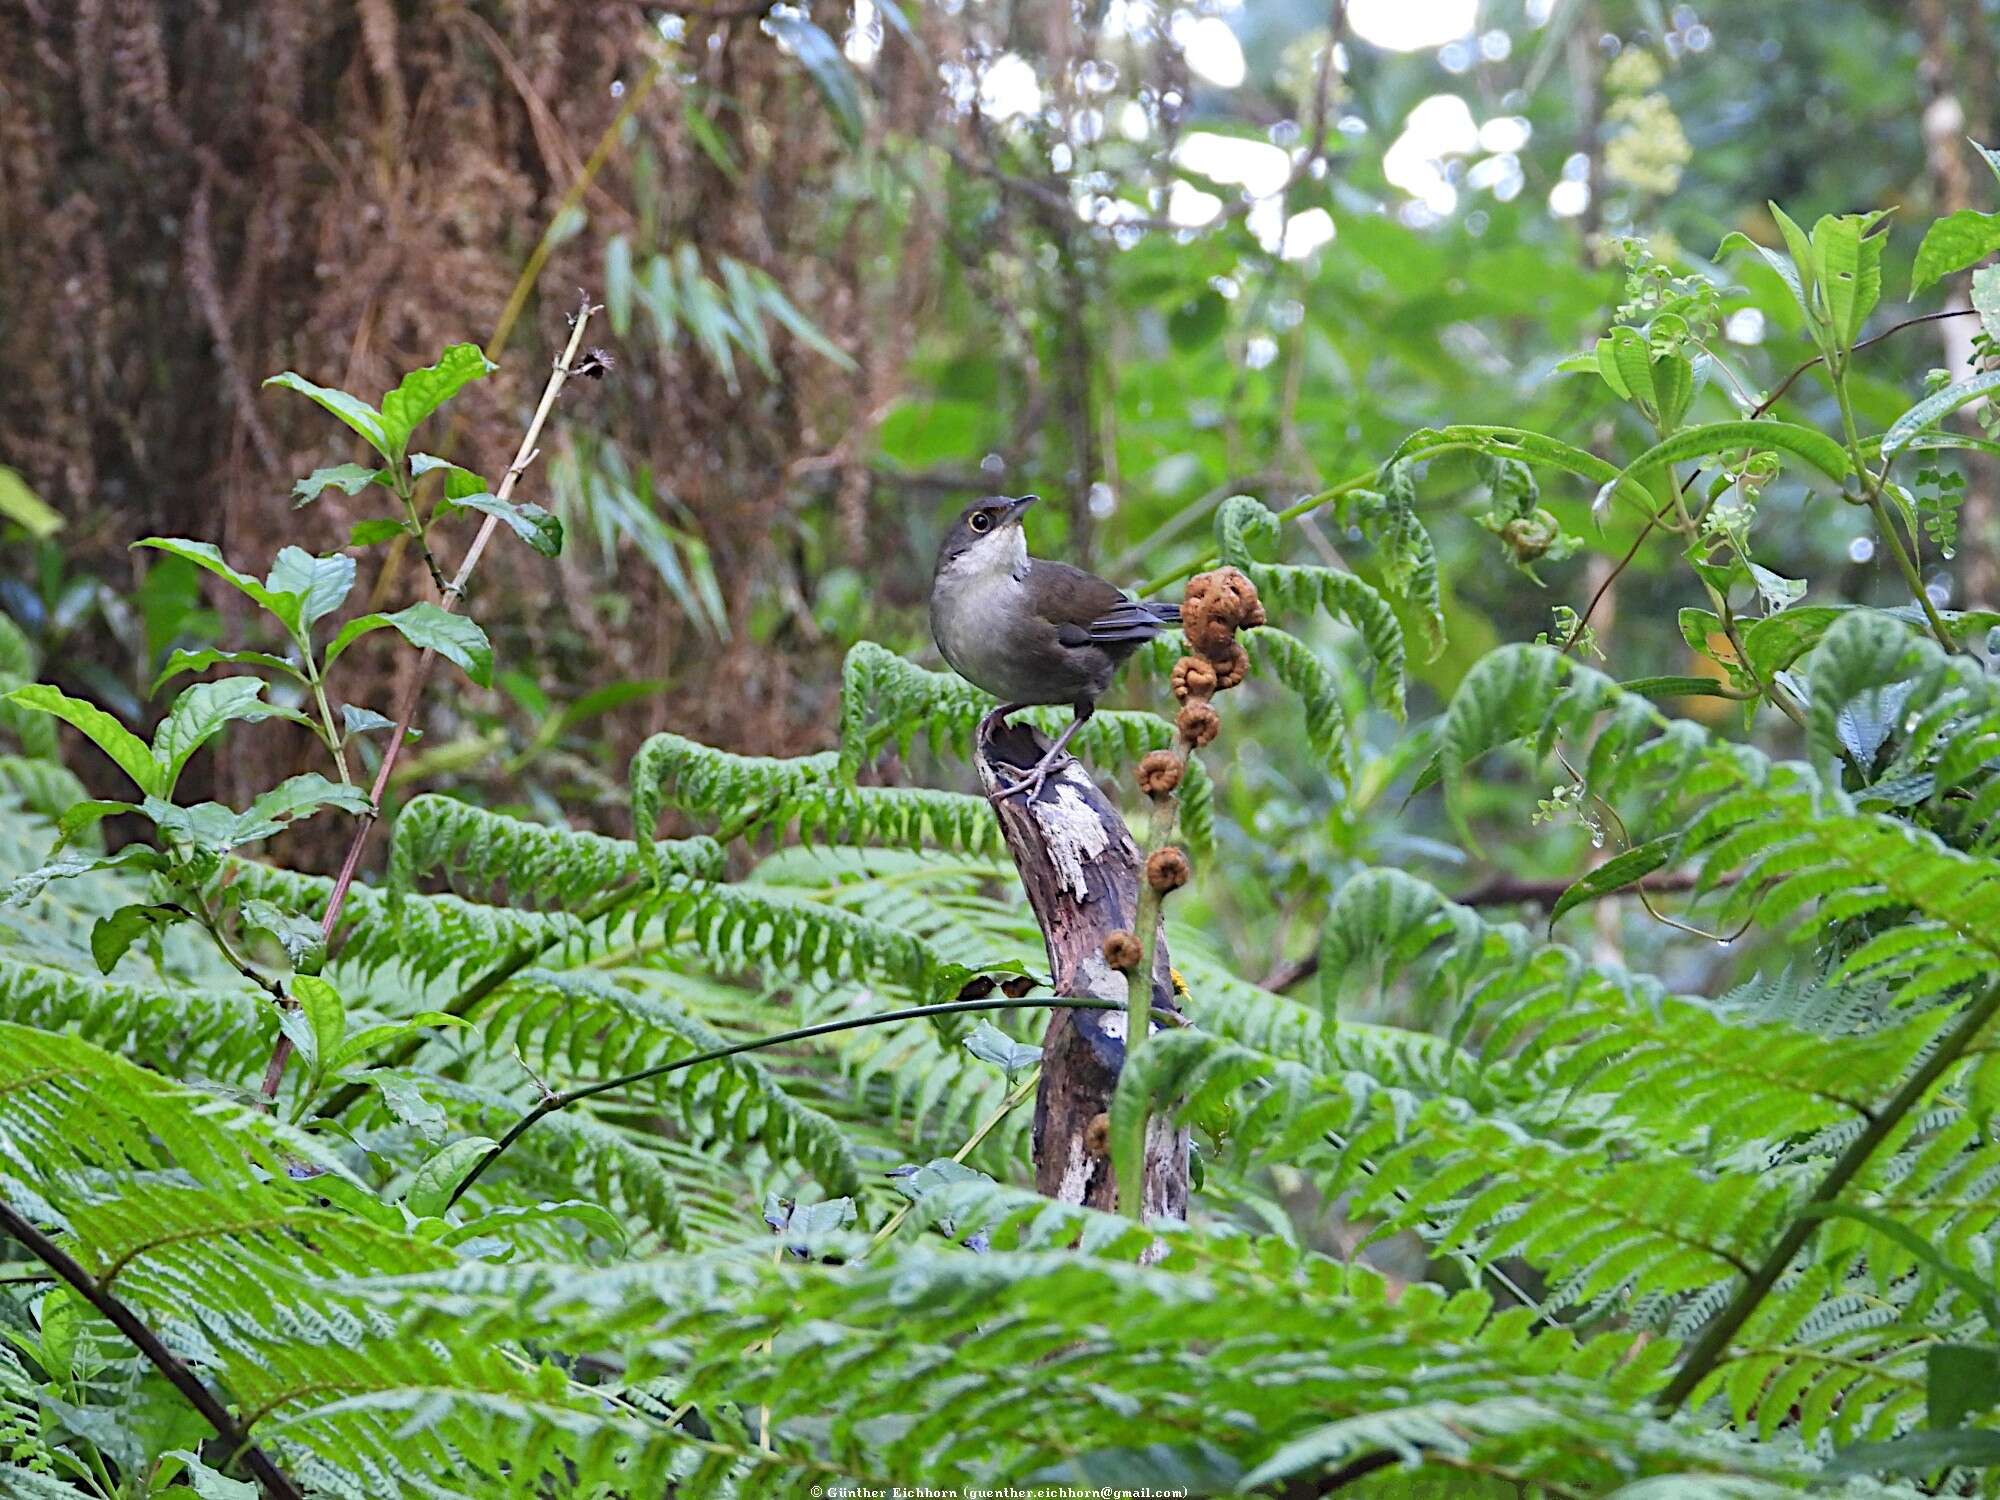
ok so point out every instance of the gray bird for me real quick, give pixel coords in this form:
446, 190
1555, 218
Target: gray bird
1030, 631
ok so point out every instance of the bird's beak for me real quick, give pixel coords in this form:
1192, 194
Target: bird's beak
1019, 508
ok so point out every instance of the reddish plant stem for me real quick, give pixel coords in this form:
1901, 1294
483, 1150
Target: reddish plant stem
413, 691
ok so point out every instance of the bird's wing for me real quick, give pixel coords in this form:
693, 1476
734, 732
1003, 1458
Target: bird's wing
1090, 612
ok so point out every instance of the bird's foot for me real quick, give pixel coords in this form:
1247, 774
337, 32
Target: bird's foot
994, 722
1030, 782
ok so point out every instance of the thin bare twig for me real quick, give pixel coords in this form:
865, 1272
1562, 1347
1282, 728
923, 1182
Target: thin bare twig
413, 692
158, 1354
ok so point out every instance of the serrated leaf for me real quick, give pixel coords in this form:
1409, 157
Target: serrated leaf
1676, 687
325, 1016
1815, 447
210, 1484
533, 525
422, 392
1953, 243
1777, 591
1916, 1454
431, 1188
351, 409
1850, 265
349, 479
114, 739
570, 1210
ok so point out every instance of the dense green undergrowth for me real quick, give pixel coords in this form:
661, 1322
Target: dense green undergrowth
1670, 1244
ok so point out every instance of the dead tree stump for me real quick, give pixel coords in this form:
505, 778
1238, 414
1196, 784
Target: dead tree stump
1080, 869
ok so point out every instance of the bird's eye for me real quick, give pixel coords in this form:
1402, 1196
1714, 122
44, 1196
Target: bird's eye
980, 521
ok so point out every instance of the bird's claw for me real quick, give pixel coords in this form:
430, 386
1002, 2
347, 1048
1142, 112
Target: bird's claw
1029, 784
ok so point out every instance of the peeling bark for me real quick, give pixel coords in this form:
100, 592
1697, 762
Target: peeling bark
1080, 869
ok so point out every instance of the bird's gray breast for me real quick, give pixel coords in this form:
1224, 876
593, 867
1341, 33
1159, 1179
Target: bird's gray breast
989, 631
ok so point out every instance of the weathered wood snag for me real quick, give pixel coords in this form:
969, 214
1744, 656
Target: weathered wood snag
1080, 869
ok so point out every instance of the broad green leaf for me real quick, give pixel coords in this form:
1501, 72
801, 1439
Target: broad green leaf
1935, 408
380, 529
1916, 1454
201, 661
293, 798
589, 1216
452, 636
351, 409
1518, 442
1775, 642
422, 392
26, 509
430, 1189
458, 483
366, 1040
1815, 447
1959, 1380
1633, 361
208, 556
325, 1013
199, 714
298, 935
1850, 266
1805, 260
207, 1483
350, 479
1676, 687
1986, 299
1953, 243
354, 719
1621, 870
533, 525
111, 936
989, 1043
26, 887
825, 64
321, 583
81, 815
103, 731
1737, 240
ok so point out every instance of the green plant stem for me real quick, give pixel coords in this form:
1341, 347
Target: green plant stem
1708, 1351
972, 1142
274, 1071
318, 686
1885, 526
184, 1380
576, 1095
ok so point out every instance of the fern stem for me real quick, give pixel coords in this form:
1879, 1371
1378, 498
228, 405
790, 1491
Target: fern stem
148, 1343
568, 1097
1708, 1351
407, 709
986, 1127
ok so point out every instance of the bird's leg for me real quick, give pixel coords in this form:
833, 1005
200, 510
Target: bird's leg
996, 721
1031, 781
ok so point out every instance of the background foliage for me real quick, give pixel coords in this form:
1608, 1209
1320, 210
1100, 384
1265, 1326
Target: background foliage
1508, 1181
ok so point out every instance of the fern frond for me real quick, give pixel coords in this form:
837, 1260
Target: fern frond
533, 863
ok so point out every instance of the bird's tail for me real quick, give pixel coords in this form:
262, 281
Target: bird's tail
1166, 614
